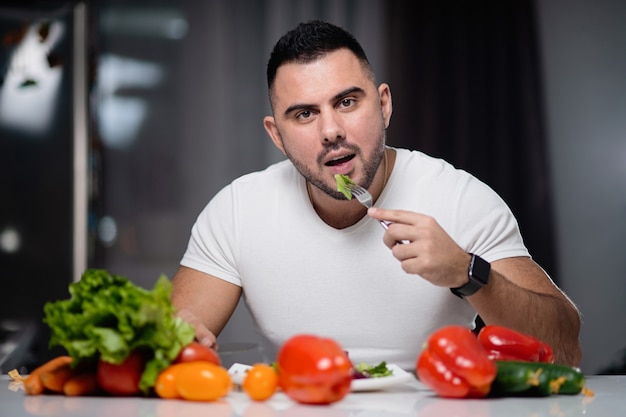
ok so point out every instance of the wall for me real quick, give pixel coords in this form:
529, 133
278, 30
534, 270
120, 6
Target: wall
203, 128
585, 84
192, 76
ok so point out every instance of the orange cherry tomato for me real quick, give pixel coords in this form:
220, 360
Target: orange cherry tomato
195, 351
202, 381
165, 386
260, 382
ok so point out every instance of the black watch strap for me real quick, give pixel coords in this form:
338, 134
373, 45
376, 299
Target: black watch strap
478, 274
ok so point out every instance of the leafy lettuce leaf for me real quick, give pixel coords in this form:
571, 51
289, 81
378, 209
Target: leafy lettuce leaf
343, 185
107, 317
373, 371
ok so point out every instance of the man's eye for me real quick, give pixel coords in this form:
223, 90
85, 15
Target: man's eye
346, 102
303, 115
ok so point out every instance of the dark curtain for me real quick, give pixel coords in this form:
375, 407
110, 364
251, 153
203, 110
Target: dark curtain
466, 85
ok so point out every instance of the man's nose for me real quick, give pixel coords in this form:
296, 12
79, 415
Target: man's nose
331, 128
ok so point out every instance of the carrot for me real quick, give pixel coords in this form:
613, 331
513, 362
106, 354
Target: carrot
55, 379
33, 384
82, 384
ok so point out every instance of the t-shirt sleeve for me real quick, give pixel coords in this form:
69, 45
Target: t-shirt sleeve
488, 226
211, 247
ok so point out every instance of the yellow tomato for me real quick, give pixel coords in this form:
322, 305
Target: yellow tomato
165, 386
202, 381
260, 382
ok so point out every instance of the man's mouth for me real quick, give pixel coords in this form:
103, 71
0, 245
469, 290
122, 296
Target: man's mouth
339, 161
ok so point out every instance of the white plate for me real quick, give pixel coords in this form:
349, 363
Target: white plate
237, 372
399, 376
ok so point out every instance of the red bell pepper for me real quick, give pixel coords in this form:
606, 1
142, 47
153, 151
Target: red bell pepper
455, 365
503, 344
313, 370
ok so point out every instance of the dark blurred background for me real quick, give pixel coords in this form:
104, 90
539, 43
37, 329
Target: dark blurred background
119, 119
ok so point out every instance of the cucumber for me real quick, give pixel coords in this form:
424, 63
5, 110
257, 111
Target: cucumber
538, 379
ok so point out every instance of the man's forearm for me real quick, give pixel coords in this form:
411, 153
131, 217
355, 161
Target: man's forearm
551, 318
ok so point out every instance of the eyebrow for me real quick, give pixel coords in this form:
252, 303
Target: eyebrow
337, 96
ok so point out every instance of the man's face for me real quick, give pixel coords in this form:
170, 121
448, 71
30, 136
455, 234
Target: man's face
329, 118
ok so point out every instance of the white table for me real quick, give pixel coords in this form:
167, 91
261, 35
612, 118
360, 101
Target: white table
411, 399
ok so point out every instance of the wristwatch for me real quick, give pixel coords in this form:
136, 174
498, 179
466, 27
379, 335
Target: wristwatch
478, 274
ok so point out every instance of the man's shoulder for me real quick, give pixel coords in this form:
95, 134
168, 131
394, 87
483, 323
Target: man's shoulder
424, 163
434, 174
275, 173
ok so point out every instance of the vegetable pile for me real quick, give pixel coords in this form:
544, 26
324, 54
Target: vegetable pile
498, 362
124, 340
110, 320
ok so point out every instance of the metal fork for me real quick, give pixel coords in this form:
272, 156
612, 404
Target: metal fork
366, 199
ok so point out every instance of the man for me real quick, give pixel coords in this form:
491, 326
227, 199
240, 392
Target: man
307, 260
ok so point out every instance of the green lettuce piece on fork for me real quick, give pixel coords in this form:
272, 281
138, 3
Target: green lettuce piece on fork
343, 185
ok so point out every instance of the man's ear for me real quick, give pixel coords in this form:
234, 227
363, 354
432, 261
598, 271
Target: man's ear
270, 127
385, 102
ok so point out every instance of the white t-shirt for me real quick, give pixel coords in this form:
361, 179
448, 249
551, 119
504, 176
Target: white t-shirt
300, 275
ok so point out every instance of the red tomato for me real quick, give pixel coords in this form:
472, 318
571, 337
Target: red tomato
195, 352
314, 370
122, 379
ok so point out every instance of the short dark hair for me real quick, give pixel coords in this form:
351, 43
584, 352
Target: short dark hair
310, 41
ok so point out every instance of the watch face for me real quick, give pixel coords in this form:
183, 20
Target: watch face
478, 277
479, 270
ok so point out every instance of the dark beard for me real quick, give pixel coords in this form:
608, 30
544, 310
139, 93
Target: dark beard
369, 169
